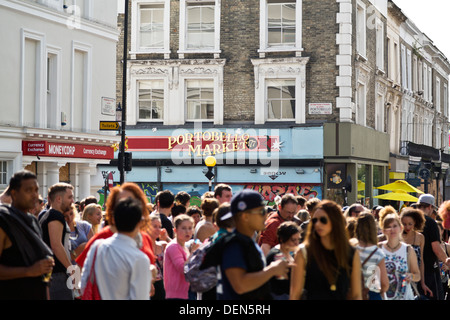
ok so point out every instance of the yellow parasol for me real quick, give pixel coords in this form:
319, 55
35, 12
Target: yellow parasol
398, 195
400, 185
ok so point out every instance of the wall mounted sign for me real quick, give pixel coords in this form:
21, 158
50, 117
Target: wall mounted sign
51, 149
205, 143
320, 108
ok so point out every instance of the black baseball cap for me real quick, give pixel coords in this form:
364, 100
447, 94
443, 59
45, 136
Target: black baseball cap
245, 200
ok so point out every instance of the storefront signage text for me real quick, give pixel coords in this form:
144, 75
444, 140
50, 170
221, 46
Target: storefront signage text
211, 143
50, 149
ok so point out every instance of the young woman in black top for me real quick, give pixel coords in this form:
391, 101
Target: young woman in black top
327, 267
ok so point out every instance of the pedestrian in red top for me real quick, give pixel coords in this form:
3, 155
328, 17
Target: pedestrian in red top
127, 190
286, 212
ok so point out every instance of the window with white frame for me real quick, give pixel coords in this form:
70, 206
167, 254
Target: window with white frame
404, 67
361, 28
151, 27
151, 100
396, 64
425, 82
280, 25
409, 68
53, 107
380, 44
446, 111
199, 26
361, 105
379, 113
281, 99
200, 100
438, 136
3, 172
420, 76
280, 89
430, 85
438, 95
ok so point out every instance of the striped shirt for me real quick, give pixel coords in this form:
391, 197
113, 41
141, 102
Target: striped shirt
370, 270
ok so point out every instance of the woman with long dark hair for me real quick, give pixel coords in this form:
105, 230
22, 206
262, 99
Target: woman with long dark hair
327, 267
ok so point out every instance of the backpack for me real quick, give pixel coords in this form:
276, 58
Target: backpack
200, 280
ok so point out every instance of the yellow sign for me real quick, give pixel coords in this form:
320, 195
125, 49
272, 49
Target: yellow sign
109, 125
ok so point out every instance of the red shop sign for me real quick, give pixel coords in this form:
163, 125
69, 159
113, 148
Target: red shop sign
50, 149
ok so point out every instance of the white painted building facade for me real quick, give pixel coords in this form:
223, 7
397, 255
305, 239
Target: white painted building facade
58, 81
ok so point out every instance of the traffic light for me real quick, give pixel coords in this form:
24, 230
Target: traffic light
128, 161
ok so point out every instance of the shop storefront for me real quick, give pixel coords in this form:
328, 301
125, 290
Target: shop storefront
356, 162
271, 161
74, 163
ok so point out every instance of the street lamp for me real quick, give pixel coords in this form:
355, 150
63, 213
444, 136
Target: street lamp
210, 163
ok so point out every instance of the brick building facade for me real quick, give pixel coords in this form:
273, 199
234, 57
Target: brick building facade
222, 64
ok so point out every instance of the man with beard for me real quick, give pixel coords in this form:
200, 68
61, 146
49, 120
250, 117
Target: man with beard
56, 233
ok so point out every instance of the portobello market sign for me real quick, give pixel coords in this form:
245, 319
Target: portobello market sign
206, 143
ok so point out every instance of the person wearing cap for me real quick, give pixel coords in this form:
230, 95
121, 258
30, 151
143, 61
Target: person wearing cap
243, 271
432, 252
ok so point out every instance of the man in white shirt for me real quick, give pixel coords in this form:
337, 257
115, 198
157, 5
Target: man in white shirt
122, 271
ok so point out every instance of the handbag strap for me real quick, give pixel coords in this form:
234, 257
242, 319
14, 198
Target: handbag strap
92, 272
370, 255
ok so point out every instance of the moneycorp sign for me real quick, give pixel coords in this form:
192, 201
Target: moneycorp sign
51, 149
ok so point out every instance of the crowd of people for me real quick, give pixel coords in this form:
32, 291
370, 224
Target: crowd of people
296, 249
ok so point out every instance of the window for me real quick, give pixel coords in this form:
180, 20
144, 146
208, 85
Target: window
280, 89
430, 86
396, 64
446, 113
409, 69
361, 105
281, 24
199, 27
420, 76
379, 113
425, 82
151, 100
361, 28
199, 100
81, 87
151, 26
438, 95
3, 173
53, 75
404, 68
438, 137
281, 99
380, 44
150, 32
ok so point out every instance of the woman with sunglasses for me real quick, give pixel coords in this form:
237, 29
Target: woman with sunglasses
327, 267
401, 260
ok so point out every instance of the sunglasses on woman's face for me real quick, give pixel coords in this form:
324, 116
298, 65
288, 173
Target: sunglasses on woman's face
323, 220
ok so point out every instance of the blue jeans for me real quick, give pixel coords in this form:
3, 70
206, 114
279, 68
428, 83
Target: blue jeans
374, 296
